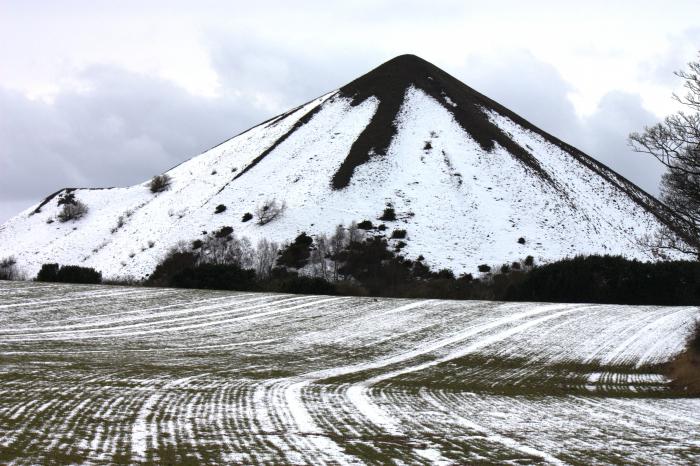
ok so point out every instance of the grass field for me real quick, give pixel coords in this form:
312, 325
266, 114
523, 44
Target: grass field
104, 375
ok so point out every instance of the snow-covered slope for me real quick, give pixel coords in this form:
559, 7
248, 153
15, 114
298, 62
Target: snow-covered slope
466, 177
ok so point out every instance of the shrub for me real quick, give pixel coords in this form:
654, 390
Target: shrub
296, 254
381, 227
72, 211
223, 232
8, 269
388, 215
445, 274
521, 240
269, 210
174, 261
305, 285
247, 216
66, 198
68, 274
529, 261
466, 278
365, 225
428, 145
47, 273
398, 234
160, 183
484, 268
77, 274
196, 244
220, 208
215, 277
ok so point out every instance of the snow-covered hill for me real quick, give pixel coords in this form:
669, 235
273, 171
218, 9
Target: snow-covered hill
466, 177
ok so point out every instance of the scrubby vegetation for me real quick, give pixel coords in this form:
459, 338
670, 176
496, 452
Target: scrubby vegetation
219, 209
160, 183
355, 262
72, 210
247, 216
216, 277
388, 215
8, 269
68, 274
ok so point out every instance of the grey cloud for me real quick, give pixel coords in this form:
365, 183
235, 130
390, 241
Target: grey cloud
124, 130
682, 48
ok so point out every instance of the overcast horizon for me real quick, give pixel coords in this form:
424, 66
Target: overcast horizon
97, 94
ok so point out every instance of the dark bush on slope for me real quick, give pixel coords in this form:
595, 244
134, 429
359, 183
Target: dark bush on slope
388, 215
159, 183
68, 274
215, 277
173, 263
47, 273
303, 285
296, 254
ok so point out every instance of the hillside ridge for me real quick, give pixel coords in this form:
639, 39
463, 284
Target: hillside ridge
471, 182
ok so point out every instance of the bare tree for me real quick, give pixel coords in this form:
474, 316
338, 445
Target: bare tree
269, 210
73, 210
266, 257
336, 245
8, 269
319, 257
227, 249
354, 233
675, 143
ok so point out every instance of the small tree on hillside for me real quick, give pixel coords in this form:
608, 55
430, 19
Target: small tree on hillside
72, 211
269, 210
160, 183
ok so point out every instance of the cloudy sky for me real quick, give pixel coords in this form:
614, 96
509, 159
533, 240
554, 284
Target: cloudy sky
108, 93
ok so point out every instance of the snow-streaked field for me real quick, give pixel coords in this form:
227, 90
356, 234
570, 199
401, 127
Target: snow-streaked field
104, 375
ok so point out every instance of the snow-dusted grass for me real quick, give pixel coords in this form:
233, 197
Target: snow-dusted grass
99, 375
